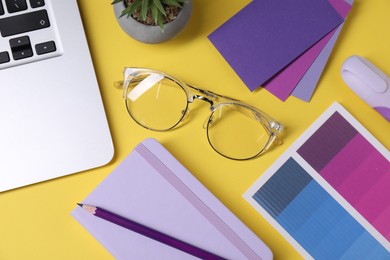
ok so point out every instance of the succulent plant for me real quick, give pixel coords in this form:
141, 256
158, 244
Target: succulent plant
156, 9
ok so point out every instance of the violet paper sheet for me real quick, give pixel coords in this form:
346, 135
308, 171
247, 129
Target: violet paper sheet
306, 86
267, 35
152, 188
282, 84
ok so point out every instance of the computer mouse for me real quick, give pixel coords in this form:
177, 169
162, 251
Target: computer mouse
368, 82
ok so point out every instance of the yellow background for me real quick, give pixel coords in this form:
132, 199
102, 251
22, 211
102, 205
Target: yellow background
35, 221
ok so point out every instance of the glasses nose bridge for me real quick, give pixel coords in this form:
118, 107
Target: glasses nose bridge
205, 99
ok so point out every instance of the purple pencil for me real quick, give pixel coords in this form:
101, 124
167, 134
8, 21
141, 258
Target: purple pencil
148, 232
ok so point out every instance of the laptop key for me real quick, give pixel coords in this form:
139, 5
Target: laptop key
1, 9
19, 42
45, 47
14, 6
4, 57
37, 3
21, 48
24, 23
22, 54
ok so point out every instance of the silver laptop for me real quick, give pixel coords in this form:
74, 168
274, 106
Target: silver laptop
52, 119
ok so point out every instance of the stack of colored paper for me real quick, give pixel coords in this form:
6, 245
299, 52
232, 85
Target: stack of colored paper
281, 45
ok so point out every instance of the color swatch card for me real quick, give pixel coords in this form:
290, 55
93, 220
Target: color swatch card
267, 35
329, 194
154, 189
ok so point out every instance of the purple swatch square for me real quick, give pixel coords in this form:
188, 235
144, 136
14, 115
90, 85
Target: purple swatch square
327, 141
267, 35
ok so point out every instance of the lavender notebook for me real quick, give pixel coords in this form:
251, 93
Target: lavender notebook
267, 35
151, 187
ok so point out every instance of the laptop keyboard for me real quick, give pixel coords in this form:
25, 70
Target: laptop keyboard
27, 32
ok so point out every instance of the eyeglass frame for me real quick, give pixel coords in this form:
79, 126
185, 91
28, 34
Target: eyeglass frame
273, 127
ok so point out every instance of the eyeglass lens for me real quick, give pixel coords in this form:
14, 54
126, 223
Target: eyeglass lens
156, 102
234, 132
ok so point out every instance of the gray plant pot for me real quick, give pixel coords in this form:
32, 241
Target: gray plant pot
153, 34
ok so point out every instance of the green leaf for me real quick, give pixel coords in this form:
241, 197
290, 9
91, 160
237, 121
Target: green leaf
124, 12
154, 11
171, 2
136, 5
159, 6
160, 21
131, 8
144, 9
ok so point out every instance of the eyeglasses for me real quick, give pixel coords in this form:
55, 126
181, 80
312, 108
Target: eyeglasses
159, 102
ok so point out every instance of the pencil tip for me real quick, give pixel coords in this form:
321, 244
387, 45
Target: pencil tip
81, 205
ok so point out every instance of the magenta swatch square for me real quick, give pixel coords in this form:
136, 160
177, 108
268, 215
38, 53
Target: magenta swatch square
358, 183
383, 222
375, 201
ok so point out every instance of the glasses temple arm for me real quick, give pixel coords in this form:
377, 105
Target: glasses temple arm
273, 127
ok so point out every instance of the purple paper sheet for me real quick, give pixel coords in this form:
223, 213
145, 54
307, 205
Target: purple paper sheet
267, 35
306, 86
285, 81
